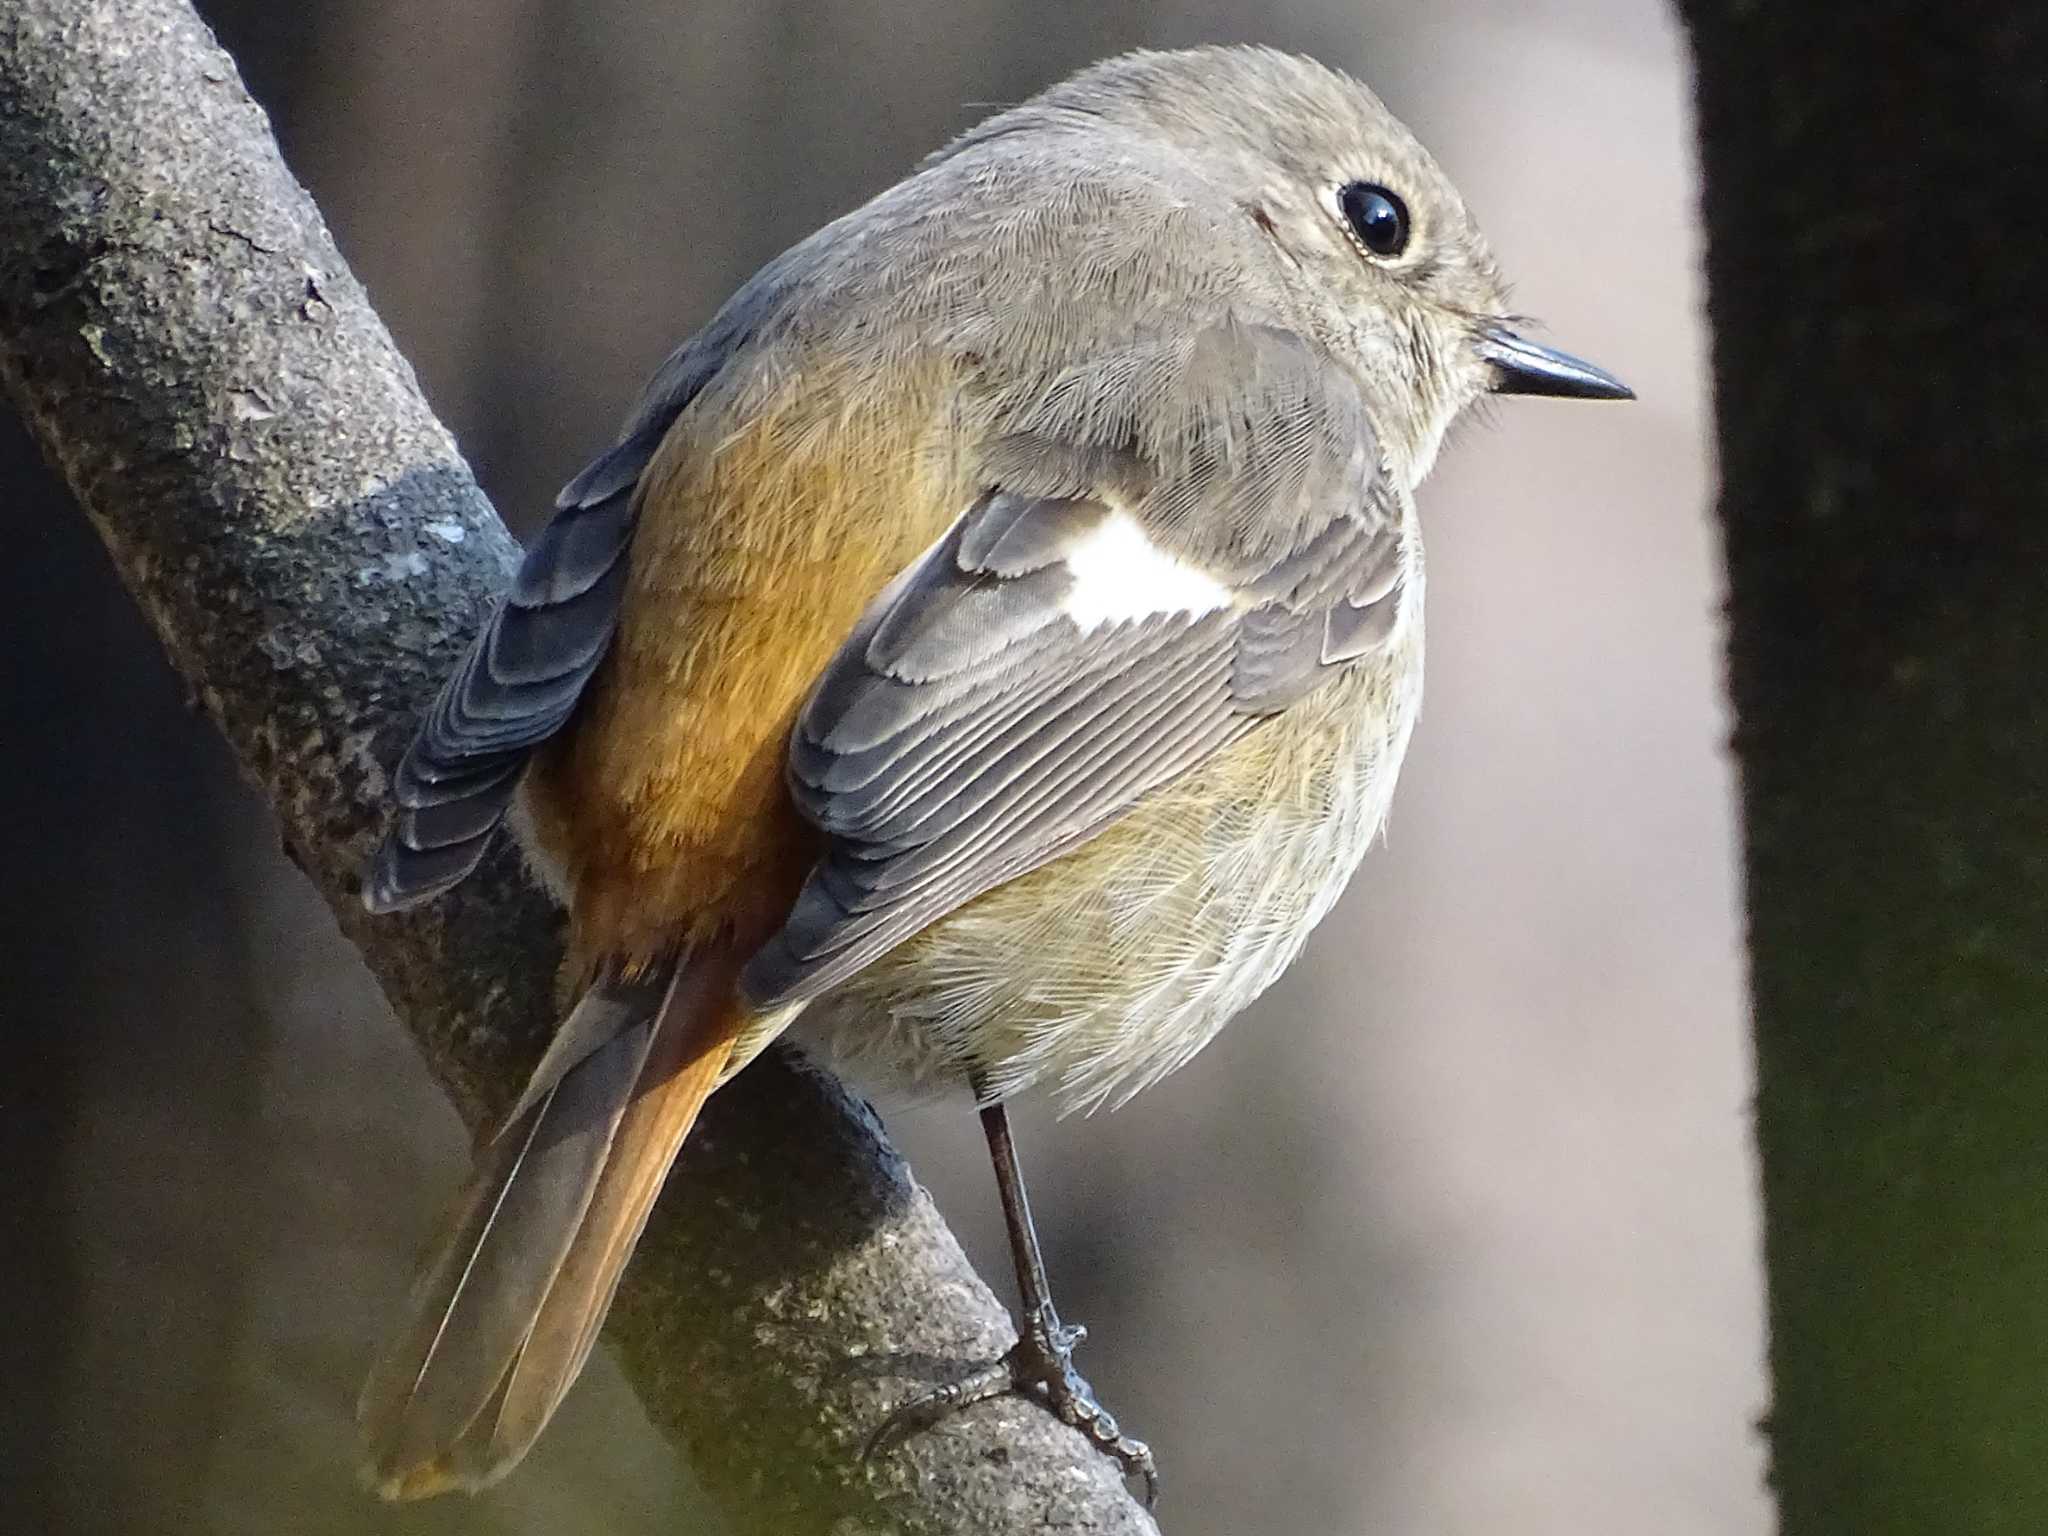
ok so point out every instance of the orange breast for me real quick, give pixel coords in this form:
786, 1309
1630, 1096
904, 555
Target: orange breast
757, 547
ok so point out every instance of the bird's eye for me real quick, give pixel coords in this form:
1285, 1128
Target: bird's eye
1378, 219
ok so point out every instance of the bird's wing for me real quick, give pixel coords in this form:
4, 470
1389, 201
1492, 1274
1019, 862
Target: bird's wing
525, 673
1099, 621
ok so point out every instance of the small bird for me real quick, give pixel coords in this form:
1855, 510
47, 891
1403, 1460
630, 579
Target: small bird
990, 645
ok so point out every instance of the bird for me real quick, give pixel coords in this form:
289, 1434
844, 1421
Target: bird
984, 655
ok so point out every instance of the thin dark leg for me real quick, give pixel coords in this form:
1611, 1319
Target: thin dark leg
1032, 1286
1041, 1362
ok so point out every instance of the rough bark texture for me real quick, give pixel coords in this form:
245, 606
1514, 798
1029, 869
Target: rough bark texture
1875, 234
187, 344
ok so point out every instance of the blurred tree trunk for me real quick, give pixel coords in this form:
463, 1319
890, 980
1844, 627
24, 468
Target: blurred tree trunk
1875, 233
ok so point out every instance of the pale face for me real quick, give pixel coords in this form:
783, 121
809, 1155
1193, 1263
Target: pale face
1390, 274
1380, 258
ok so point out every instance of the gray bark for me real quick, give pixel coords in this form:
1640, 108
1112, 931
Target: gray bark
193, 355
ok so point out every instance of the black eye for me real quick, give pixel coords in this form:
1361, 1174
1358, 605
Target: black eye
1377, 217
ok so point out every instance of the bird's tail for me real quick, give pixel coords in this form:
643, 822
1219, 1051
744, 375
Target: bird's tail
510, 1303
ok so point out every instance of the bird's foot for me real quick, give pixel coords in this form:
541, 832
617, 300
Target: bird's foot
1040, 1365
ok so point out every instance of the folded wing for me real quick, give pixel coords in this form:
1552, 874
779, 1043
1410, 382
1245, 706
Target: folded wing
1089, 630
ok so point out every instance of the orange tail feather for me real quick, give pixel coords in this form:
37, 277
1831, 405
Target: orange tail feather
512, 1305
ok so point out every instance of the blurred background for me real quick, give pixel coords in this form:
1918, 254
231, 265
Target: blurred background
1454, 1233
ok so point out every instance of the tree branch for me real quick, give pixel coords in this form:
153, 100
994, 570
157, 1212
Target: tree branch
180, 330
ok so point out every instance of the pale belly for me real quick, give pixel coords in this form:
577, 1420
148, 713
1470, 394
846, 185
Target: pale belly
1107, 969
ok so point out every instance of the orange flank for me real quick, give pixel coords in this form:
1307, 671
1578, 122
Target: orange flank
664, 807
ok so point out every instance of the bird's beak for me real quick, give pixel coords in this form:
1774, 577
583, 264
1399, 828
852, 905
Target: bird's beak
1521, 367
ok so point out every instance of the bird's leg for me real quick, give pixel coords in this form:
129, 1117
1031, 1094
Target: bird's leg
1042, 1359
1041, 1363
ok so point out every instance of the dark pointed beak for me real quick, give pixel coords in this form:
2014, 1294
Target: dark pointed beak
1522, 367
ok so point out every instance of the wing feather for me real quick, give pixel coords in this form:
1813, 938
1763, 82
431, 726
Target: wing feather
981, 719
526, 673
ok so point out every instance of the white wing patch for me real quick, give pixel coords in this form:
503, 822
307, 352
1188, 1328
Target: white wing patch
1120, 575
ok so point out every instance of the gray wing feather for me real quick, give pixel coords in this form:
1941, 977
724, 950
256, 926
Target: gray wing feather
525, 674
970, 730
521, 679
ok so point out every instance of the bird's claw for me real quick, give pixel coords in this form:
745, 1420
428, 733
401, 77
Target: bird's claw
1039, 1365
